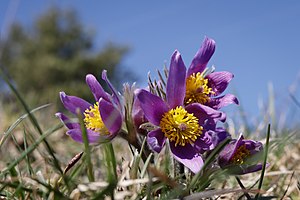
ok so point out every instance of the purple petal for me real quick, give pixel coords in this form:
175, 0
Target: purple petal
253, 146
72, 103
219, 81
138, 115
202, 57
68, 123
217, 136
226, 154
219, 102
239, 142
96, 88
188, 156
156, 140
153, 106
204, 113
176, 81
76, 135
111, 87
110, 116
203, 144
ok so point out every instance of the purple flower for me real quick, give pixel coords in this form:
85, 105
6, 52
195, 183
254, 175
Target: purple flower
102, 120
206, 88
239, 155
181, 125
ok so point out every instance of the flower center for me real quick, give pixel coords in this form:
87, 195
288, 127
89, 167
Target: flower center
197, 90
239, 156
180, 126
92, 120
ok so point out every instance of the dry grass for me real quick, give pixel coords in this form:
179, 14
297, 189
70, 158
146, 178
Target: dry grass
37, 175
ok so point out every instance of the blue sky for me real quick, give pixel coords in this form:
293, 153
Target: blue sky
258, 41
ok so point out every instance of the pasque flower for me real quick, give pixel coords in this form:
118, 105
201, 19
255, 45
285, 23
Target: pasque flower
183, 126
206, 88
239, 156
103, 119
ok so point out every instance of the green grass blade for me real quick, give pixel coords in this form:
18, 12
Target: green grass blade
110, 159
243, 188
16, 144
146, 164
16, 123
208, 161
50, 188
111, 162
105, 192
26, 189
288, 186
29, 167
19, 192
137, 159
33, 120
87, 149
30, 149
257, 196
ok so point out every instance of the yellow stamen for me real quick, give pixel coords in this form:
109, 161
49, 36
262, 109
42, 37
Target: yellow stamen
239, 156
92, 120
180, 126
197, 90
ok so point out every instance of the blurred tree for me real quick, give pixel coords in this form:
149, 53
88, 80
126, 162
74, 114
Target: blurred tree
56, 54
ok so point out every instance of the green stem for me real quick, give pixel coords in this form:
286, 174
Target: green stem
111, 160
87, 149
257, 196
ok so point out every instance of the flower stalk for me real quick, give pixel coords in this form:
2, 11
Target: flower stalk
87, 149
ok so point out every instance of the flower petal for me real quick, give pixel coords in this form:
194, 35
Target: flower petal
219, 81
176, 81
253, 146
72, 103
226, 154
68, 122
202, 57
156, 140
202, 144
229, 150
217, 136
205, 113
110, 116
96, 88
112, 88
188, 156
239, 142
138, 116
76, 135
225, 100
153, 106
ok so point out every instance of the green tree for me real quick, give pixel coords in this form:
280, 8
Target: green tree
55, 54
